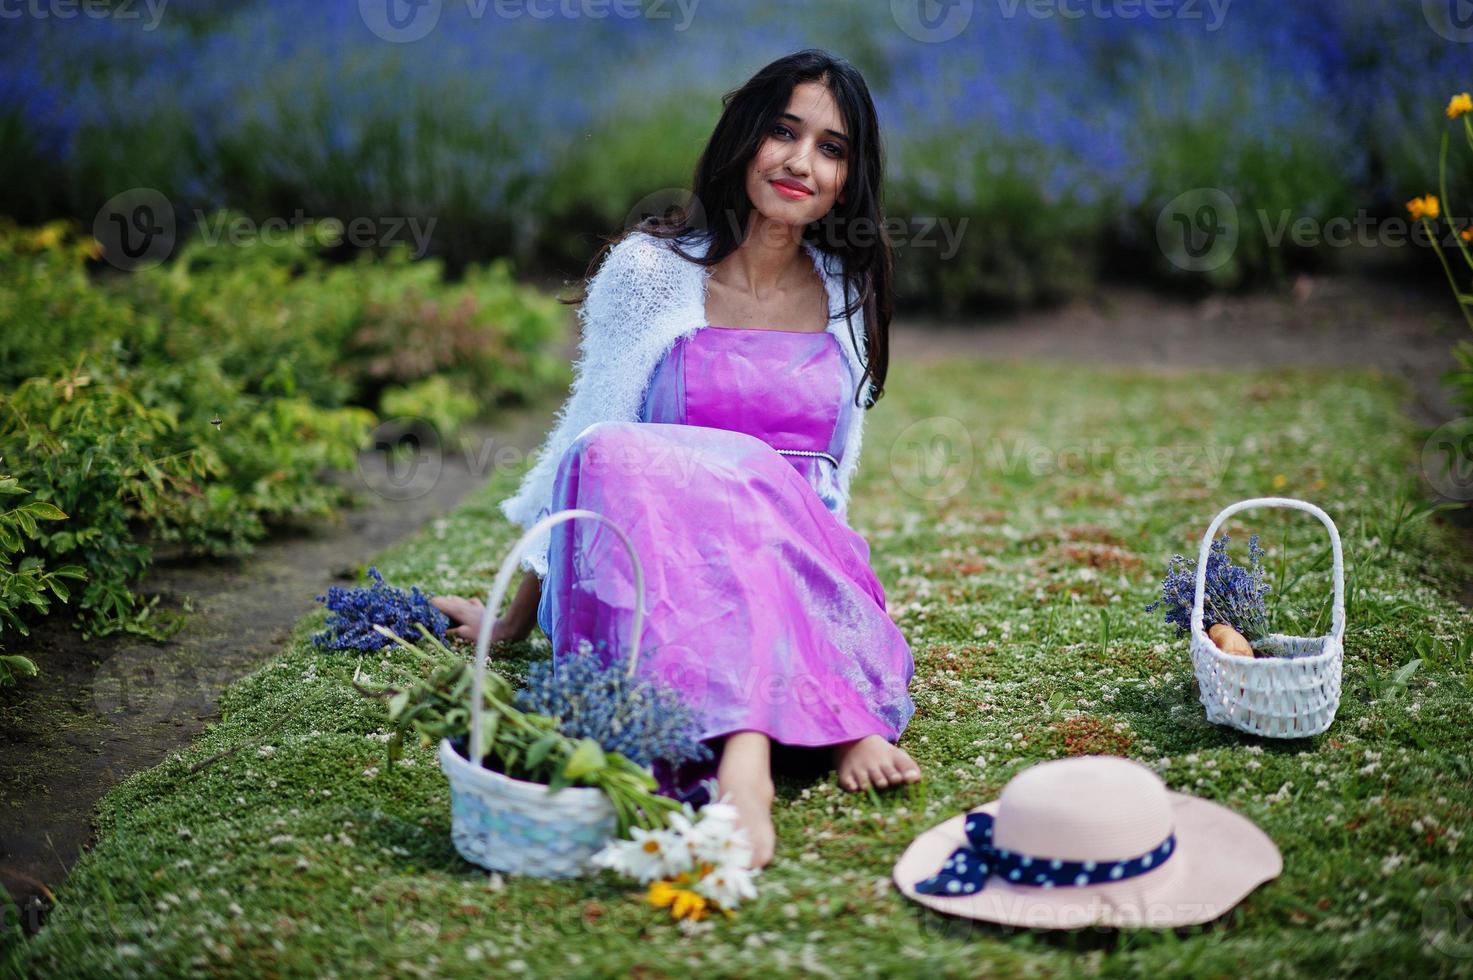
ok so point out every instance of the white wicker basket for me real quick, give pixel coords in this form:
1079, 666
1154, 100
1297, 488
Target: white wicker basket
506, 824
1295, 691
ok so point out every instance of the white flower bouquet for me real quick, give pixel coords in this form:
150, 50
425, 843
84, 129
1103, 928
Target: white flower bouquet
697, 863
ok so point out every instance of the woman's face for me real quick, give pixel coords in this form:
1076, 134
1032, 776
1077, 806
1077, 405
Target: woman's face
806, 149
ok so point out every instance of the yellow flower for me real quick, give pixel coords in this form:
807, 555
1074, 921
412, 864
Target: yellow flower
47, 237
1466, 234
1280, 481
1460, 103
683, 902
1424, 207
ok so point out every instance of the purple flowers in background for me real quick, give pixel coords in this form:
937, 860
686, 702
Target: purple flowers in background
300, 96
642, 720
1232, 595
354, 612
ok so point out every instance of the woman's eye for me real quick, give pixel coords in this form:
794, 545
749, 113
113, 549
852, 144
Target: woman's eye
833, 148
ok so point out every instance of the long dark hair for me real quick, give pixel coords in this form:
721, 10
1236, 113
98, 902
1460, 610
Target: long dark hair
719, 208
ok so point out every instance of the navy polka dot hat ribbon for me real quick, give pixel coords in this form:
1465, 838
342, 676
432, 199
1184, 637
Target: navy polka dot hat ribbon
970, 865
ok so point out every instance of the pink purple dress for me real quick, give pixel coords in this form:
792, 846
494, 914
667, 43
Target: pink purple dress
761, 607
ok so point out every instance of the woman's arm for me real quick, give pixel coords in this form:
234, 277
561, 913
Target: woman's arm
521, 615
619, 305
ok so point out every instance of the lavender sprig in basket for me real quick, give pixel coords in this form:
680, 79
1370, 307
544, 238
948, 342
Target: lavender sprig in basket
1233, 595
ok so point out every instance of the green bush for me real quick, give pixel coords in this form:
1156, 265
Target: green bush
198, 402
437, 400
89, 448
25, 584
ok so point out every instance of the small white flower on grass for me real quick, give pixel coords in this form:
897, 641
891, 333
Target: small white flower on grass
266, 751
727, 885
370, 772
649, 855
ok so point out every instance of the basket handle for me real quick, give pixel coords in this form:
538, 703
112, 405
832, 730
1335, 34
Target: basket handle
498, 592
1337, 614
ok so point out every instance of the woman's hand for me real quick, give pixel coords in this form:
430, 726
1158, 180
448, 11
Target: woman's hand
469, 613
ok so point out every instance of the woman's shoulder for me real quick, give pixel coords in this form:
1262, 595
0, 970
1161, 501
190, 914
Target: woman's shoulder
641, 251
640, 278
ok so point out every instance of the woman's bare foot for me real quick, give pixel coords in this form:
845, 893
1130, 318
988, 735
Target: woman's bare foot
872, 761
744, 778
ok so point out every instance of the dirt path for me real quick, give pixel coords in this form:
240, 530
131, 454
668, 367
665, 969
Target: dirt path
106, 709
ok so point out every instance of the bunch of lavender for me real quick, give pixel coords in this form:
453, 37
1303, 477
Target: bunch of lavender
641, 720
355, 612
1232, 595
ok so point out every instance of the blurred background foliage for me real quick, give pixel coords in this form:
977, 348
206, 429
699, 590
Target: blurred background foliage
1057, 138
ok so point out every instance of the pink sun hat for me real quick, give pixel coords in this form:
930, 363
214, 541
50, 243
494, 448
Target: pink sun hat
1091, 840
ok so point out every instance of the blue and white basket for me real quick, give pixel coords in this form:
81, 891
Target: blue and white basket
506, 824
1295, 690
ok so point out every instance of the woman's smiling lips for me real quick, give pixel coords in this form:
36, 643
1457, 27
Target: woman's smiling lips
791, 189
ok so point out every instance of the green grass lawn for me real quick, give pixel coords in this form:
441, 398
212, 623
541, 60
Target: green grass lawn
303, 853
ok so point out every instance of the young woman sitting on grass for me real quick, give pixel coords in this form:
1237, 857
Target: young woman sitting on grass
728, 357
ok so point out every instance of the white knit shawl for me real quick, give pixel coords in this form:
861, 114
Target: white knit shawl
642, 298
